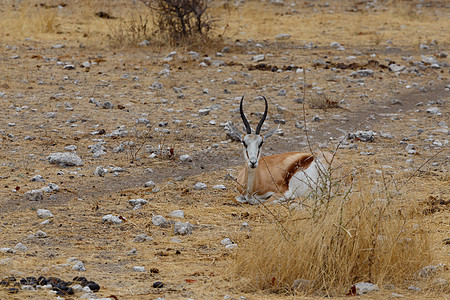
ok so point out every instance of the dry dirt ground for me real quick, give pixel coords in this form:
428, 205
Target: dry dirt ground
46, 107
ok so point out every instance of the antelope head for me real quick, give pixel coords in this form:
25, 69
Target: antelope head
252, 142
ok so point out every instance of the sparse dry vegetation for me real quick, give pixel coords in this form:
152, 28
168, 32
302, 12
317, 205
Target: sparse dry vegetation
331, 242
130, 31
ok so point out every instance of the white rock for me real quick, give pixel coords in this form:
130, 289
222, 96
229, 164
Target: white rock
40, 234
38, 178
181, 228
414, 288
226, 241
396, 68
144, 43
258, 58
7, 250
65, 159
79, 266
335, 45
149, 184
204, 111
137, 201
185, 157
283, 36
429, 60
77, 288
5, 261
111, 219
143, 238
395, 295
45, 222
302, 284
52, 187
434, 111
20, 247
365, 287
69, 67
362, 73
70, 148
364, 136
220, 187
34, 195
177, 214
160, 221
200, 186
100, 171
138, 269
231, 246
431, 270
121, 131
44, 213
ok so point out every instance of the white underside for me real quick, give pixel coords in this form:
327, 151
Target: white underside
306, 181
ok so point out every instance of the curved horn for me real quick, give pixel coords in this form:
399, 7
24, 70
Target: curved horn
244, 119
258, 128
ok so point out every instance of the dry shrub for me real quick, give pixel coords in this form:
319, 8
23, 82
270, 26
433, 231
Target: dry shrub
332, 243
180, 21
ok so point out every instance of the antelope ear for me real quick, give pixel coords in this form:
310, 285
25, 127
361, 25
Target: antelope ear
234, 132
271, 132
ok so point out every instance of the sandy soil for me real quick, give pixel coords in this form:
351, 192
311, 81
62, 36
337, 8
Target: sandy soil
46, 107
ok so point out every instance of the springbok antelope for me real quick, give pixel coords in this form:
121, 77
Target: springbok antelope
288, 175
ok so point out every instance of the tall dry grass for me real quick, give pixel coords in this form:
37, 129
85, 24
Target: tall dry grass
28, 20
368, 234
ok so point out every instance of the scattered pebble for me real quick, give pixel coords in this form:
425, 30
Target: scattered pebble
150, 184
200, 186
177, 214
34, 195
143, 238
65, 159
44, 213
111, 219
365, 288
160, 221
181, 228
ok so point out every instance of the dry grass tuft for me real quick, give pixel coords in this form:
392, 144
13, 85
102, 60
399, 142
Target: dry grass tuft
129, 32
365, 235
323, 101
27, 20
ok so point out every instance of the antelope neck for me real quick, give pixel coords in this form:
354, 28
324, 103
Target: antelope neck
251, 173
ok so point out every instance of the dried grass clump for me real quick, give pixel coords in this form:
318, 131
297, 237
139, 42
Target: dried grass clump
129, 32
361, 236
323, 101
28, 20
